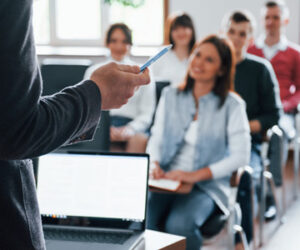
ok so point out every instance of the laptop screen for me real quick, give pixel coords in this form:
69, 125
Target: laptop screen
85, 189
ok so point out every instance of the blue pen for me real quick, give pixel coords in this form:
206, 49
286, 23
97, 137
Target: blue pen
154, 58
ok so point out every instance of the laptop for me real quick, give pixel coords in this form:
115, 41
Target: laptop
93, 200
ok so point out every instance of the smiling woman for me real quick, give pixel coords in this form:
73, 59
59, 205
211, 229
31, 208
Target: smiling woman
199, 137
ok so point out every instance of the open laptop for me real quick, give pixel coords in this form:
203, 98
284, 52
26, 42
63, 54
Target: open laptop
93, 200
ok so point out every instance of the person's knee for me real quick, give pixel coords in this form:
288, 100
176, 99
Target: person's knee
153, 220
180, 224
151, 224
157, 208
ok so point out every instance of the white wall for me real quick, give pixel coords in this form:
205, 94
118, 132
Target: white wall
207, 14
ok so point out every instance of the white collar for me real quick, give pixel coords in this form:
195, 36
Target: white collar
281, 45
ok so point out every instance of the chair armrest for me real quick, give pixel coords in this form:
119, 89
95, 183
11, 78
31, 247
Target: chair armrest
236, 176
271, 131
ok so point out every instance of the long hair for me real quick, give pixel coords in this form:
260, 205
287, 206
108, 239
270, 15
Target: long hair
224, 83
176, 20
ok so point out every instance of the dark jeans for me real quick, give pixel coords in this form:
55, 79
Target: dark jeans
181, 214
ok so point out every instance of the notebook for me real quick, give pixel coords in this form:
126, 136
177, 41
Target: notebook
164, 184
93, 200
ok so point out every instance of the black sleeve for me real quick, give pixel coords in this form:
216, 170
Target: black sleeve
269, 96
31, 125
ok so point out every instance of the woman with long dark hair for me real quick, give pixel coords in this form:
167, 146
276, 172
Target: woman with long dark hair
200, 136
180, 32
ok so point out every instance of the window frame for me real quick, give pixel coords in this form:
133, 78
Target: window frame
54, 40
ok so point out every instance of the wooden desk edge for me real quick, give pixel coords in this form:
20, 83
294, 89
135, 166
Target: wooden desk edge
163, 241
180, 245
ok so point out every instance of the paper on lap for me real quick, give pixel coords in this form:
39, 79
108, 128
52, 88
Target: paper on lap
165, 184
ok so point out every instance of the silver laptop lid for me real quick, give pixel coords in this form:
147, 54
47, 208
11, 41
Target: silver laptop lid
93, 190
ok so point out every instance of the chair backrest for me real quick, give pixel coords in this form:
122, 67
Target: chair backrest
215, 223
60, 73
277, 132
159, 85
101, 141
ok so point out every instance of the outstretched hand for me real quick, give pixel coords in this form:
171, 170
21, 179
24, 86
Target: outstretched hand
117, 83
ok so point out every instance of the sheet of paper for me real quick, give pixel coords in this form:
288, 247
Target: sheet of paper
164, 184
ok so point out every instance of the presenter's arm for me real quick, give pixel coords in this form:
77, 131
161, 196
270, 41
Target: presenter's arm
31, 125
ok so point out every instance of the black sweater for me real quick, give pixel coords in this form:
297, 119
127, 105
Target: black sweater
256, 82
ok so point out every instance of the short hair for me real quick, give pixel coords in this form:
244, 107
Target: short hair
239, 16
176, 20
285, 13
124, 28
224, 83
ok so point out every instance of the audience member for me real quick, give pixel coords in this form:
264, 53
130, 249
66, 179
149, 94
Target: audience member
283, 55
256, 83
285, 59
200, 136
129, 123
180, 32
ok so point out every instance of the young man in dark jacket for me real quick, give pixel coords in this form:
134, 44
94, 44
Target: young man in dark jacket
256, 82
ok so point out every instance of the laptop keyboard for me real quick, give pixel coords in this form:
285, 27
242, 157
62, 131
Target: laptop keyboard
86, 236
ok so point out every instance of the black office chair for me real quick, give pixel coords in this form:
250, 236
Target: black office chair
267, 178
231, 223
101, 141
159, 86
60, 73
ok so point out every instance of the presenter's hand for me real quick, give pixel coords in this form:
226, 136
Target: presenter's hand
117, 83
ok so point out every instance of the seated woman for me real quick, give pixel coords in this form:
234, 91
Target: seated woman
130, 122
180, 32
200, 136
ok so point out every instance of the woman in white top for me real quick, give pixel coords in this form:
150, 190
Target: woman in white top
180, 32
200, 136
130, 122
